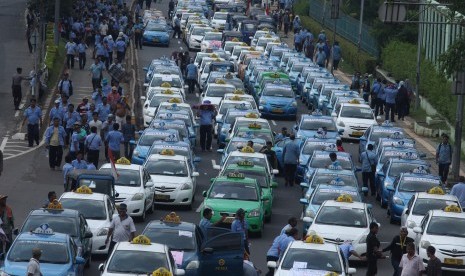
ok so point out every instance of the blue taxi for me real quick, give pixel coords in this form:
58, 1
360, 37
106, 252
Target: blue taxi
157, 33
147, 138
179, 148
332, 176
405, 186
179, 125
319, 142
227, 122
58, 257
156, 64
374, 133
277, 100
384, 178
195, 252
395, 152
310, 125
394, 142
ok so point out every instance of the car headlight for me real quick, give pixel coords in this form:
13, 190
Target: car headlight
341, 124
138, 196
425, 244
398, 201
208, 207
307, 196
411, 224
262, 102
186, 186
254, 213
310, 213
294, 104
136, 153
363, 239
193, 265
102, 232
387, 184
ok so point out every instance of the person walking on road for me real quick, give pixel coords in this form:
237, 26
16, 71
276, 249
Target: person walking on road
71, 50
69, 119
320, 58
81, 49
93, 143
291, 153
444, 157
411, 264
434, 264
129, 133
67, 168
286, 23
56, 112
121, 229
6, 216
16, 87
138, 30
192, 74
337, 55
391, 94
373, 250
75, 140
402, 100
366, 88
114, 139
33, 116
369, 161
398, 247
205, 222
459, 190
96, 73
177, 26
33, 267
65, 86
239, 225
376, 101
55, 137
207, 113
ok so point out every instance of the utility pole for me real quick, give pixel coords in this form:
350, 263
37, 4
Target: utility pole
458, 89
56, 33
360, 25
334, 15
418, 73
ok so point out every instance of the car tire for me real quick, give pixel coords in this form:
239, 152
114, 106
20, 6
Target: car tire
260, 234
383, 203
152, 207
89, 261
144, 215
391, 220
268, 218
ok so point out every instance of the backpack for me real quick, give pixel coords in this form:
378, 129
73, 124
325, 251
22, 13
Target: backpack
70, 87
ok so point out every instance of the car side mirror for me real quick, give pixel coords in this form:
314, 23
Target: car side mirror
16, 231
88, 235
303, 201
275, 171
217, 167
304, 185
351, 270
381, 174
204, 193
271, 264
333, 114
101, 267
132, 142
80, 260
179, 272
145, 69
417, 230
307, 219
195, 174
208, 250
146, 85
143, 98
149, 184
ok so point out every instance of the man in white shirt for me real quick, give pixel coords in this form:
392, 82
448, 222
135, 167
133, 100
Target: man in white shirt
411, 264
122, 228
33, 267
96, 122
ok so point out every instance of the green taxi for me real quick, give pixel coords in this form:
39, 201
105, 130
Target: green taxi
254, 131
229, 193
263, 177
268, 77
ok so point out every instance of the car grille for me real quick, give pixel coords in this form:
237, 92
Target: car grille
334, 241
358, 128
120, 199
164, 200
164, 189
452, 253
277, 105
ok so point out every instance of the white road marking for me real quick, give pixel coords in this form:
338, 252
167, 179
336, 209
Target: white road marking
3, 144
27, 151
199, 208
273, 122
213, 163
17, 113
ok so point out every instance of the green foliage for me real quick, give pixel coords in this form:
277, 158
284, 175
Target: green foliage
454, 59
66, 7
359, 61
399, 59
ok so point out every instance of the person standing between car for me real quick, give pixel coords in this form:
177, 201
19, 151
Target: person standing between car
459, 190
373, 250
121, 229
348, 250
16, 87
391, 94
398, 247
292, 235
55, 137
273, 252
291, 153
33, 116
270, 154
129, 133
114, 139
434, 264
138, 30
207, 113
93, 143
65, 86
6, 216
177, 26
239, 225
192, 74
291, 223
411, 264
444, 157
170, 9
33, 267
205, 222
369, 161
67, 168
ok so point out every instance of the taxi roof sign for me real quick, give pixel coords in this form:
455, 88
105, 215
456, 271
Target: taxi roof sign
174, 100
238, 92
317, 112
162, 272
386, 123
354, 101
396, 135
436, 191
172, 218
168, 152
83, 190
254, 125
235, 98
123, 161
173, 107
43, 229
220, 81
344, 198
237, 175
335, 166
55, 205
235, 39
247, 149
245, 163
337, 181
314, 239
452, 209
141, 239
410, 156
167, 92
166, 84
251, 115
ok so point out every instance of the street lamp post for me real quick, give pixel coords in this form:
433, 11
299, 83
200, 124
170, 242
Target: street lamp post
459, 90
57, 21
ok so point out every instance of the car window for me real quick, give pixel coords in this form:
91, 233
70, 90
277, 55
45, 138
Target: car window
110, 208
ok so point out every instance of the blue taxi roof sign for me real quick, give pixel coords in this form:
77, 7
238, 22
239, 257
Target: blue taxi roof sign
171, 138
409, 155
331, 147
43, 229
317, 112
386, 123
396, 135
420, 170
337, 181
335, 166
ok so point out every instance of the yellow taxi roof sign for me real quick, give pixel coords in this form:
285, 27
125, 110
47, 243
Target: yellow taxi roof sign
220, 81
141, 239
268, 36
344, 198
172, 218
436, 191
162, 272
247, 149
265, 29
166, 84
238, 92
55, 205
354, 101
235, 39
251, 115
254, 125
235, 98
213, 55
314, 239
244, 44
167, 91
83, 190
175, 100
168, 152
452, 209
123, 161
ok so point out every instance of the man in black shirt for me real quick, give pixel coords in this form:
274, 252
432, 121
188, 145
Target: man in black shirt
398, 247
434, 264
373, 253
270, 154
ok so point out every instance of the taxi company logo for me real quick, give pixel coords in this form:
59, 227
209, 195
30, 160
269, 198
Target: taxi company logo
454, 251
221, 262
163, 188
338, 240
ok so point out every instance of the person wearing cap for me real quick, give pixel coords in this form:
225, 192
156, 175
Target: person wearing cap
56, 112
239, 225
114, 96
55, 137
96, 72
6, 216
33, 116
282, 135
348, 249
16, 87
398, 247
114, 139
70, 117
121, 229
65, 86
33, 267
207, 113
291, 152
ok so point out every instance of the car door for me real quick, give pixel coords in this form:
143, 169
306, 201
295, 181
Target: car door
222, 254
86, 241
77, 269
148, 190
407, 211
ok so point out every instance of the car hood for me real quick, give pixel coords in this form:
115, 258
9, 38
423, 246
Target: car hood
127, 192
452, 242
19, 268
155, 33
95, 225
231, 206
343, 233
277, 100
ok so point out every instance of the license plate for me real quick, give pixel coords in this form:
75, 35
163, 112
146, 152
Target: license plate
228, 220
162, 197
357, 133
451, 261
277, 110
155, 40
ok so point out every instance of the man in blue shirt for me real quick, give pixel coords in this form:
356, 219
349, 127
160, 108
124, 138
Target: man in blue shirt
292, 235
69, 119
96, 71
71, 48
376, 101
320, 58
93, 144
444, 157
207, 112
67, 168
33, 115
391, 93
78, 163
273, 252
103, 109
291, 223
239, 225
192, 74
56, 112
81, 49
291, 152
55, 136
138, 30
74, 147
337, 55
459, 191
205, 222
369, 160
120, 48
348, 249
114, 139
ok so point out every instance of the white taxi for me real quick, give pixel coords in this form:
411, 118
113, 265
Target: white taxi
445, 230
175, 182
211, 40
140, 257
195, 36
97, 209
312, 257
355, 118
219, 20
343, 219
134, 187
214, 92
421, 203
245, 154
150, 108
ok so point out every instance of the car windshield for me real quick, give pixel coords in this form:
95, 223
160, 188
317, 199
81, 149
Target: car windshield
231, 117
220, 16
357, 112
221, 67
232, 146
225, 106
332, 193
142, 262
310, 147
52, 252
259, 175
200, 31
167, 167
423, 205
218, 91
156, 100
342, 216
387, 154
233, 190
417, 184
59, 224
126, 177
267, 136
175, 239
284, 92
397, 168
376, 135
312, 260
315, 124
324, 162
148, 139
248, 27
174, 81
298, 68
447, 227
156, 28
342, 179
213, 36
90, 209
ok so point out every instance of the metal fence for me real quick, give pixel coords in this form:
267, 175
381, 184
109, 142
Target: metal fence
346, 26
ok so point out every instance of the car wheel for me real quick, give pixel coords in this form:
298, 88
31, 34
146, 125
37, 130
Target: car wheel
89, 261
268, 218
144, 214
152, 207
391, 220
260, 234
383, 203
